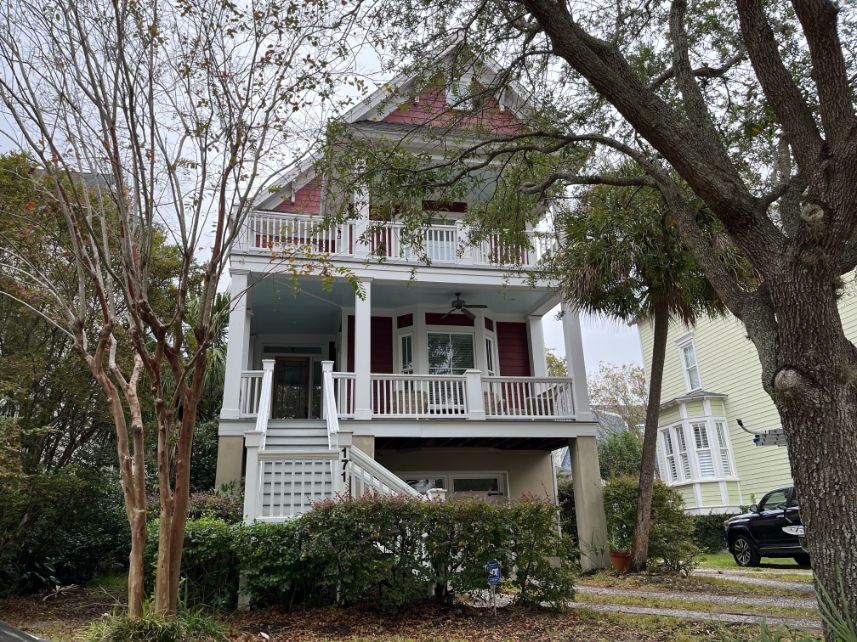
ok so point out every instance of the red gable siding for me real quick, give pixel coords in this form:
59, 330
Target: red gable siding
382, 345
307, 199
513, 349
432, 107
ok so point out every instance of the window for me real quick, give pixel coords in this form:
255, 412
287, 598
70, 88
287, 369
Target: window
682, 452
425, 485
489, 357
723, 442
450, 353
703, 451
691, 370
406, 353
458, 95
670, 454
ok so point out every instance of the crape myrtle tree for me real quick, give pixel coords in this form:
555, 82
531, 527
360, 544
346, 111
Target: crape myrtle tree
617, 254
750, 106
149, 117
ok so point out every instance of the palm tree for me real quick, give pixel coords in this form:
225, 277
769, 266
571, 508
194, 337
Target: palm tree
618, 255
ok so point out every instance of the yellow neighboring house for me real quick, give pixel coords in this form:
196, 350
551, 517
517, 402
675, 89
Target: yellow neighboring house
712, 378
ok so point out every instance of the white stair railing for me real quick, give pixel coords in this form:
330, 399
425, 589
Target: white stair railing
249, 393
365, 475
254, 442
329, 407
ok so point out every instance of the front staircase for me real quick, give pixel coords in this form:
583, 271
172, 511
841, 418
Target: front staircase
292, 464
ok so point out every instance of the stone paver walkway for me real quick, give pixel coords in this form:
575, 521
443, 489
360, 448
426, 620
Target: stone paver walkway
725, 618
803, 587
729, 600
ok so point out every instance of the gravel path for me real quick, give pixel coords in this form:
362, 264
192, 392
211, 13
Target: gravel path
803, 587
748, 571
784, 602
725, 618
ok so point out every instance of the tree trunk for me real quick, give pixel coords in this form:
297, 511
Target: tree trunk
815, 391
640, 547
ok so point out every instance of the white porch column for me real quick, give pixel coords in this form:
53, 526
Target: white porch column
361, 207
363, 352
537, 346
252, 442
237, 348
574, 358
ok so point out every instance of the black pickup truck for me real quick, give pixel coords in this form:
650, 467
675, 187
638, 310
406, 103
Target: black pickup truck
771, 529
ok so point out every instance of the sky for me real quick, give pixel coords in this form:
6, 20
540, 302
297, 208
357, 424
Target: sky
603, 340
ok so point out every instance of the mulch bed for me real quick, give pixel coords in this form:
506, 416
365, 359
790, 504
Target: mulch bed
430, 621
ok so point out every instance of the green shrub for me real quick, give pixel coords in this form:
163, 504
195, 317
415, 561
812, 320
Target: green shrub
60, 528
620, 452
671, 533
186, 626
708, 531
382, 551
209, 562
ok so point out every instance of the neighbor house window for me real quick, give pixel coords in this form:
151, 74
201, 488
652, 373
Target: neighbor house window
406, 349
670, 455
723, 442
450, 353
703, 451
691, 369
710, 450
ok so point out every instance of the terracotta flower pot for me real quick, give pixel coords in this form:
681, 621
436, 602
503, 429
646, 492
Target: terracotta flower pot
620, 560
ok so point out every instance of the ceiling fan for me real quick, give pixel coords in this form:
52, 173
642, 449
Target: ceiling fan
461, 305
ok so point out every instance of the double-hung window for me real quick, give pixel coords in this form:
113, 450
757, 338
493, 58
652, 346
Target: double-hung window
489, 357
691, 369
708, 456
682, 452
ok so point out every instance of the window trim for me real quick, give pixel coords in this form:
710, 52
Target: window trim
456, 101
685, 426
683, 343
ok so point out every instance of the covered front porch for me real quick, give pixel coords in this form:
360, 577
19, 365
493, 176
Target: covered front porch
397, 352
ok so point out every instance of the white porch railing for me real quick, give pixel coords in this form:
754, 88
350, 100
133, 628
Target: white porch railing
278, 231
249, 393
290, 481
365, 475
418, 396
343, 391
528, 397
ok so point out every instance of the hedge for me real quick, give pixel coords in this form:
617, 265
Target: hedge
382, 551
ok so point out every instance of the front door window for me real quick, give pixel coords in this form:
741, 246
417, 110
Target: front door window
291, 400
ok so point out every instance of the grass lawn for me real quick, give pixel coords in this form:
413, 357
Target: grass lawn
725, 560
692, 584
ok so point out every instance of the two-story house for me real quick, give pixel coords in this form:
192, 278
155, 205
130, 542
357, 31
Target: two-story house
436, 387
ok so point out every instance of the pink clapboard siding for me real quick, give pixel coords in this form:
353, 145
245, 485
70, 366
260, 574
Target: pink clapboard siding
307, 199
432, 107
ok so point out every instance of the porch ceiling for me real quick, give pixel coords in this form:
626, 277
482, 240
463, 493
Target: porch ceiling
277, 308
501, 443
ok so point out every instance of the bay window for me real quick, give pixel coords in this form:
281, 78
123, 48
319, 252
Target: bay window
696, 450
450, 353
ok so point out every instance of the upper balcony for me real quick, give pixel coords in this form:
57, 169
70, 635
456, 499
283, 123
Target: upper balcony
278, 233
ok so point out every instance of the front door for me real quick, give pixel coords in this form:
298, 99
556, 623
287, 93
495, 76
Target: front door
291, 388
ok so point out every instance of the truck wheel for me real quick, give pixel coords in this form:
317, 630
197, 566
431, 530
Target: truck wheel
744, 552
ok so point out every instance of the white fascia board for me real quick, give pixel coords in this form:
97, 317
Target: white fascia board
463, 428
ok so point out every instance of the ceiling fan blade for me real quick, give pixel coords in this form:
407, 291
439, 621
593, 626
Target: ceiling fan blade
477, 306
447, 314
468, 313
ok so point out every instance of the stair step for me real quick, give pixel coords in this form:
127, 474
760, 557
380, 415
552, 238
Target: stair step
297, 432
315, 442
293, 447
297, 423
